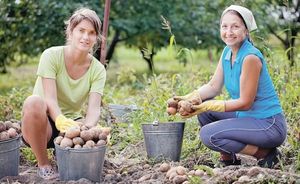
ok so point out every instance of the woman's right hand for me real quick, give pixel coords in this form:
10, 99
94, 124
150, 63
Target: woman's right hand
193, 97
63, 124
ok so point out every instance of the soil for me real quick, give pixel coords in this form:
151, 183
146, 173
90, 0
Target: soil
132, 166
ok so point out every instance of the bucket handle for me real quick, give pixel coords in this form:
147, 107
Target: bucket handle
155, 123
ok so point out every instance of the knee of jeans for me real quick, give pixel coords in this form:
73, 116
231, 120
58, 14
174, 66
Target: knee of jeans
205, 136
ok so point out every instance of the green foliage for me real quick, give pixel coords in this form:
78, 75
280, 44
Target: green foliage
27, 27
11, 104
28, 154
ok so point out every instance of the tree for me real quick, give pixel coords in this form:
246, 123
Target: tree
28, 27
282, 19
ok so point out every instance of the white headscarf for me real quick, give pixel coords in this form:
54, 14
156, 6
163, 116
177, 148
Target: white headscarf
246, 15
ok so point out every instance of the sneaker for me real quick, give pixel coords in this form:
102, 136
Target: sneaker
234, 161
47, 173
271, 159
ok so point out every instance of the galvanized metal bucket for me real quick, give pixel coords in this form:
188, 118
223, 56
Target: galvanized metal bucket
121, 112
163, 141
9, 157
74, 164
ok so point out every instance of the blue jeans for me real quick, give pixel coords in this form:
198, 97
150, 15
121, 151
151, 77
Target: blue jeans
224, 132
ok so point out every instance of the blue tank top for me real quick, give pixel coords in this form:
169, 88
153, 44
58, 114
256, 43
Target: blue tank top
266, 102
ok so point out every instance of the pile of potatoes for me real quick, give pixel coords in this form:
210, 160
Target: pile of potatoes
180, 174
183, 107
9, 129
83, 137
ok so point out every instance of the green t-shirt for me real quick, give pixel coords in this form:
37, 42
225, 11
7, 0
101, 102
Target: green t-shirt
71, 94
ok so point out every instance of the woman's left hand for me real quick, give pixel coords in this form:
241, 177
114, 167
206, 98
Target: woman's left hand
209, 105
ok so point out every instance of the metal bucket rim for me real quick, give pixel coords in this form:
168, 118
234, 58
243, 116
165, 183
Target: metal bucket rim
170, 122
81, 150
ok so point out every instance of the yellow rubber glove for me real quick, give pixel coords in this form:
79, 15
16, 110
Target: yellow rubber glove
209, 105
193, 97
62, 123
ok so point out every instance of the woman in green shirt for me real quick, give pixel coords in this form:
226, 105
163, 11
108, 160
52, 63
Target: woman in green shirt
67, 76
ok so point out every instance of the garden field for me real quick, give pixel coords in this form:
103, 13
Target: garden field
130, 83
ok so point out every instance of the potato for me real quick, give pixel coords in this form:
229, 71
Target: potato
179, 179
12, 133
182, 112
86, 135
2, 127
72, 132
102, 136
17, 126
172, 103
8, 124
171, 110
173, 169
164, 167
97, 130
172, 175
83, 127
66, 142
101, 143
78, 141
186, 106
4, 136
58, 139
77, 146
199, 172
106, 130
180, 170
90, 143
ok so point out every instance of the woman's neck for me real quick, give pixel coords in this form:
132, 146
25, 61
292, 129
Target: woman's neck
75, 56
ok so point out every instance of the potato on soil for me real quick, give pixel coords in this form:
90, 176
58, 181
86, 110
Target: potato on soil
86, 135
179, 179
66, 142
172, 103
171, 170
171, 110
12, 133
164, 167
180, 170
58, 139
72, 132
78, 141
172, 175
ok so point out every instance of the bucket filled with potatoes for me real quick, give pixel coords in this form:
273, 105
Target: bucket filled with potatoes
80, 152
10, 131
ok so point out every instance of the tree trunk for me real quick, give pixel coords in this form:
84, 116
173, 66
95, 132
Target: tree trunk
148, 57
111, 49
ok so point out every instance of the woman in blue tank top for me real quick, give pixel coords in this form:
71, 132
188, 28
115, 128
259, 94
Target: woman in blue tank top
252, 121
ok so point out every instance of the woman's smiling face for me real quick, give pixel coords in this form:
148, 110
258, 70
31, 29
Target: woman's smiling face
233, 30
